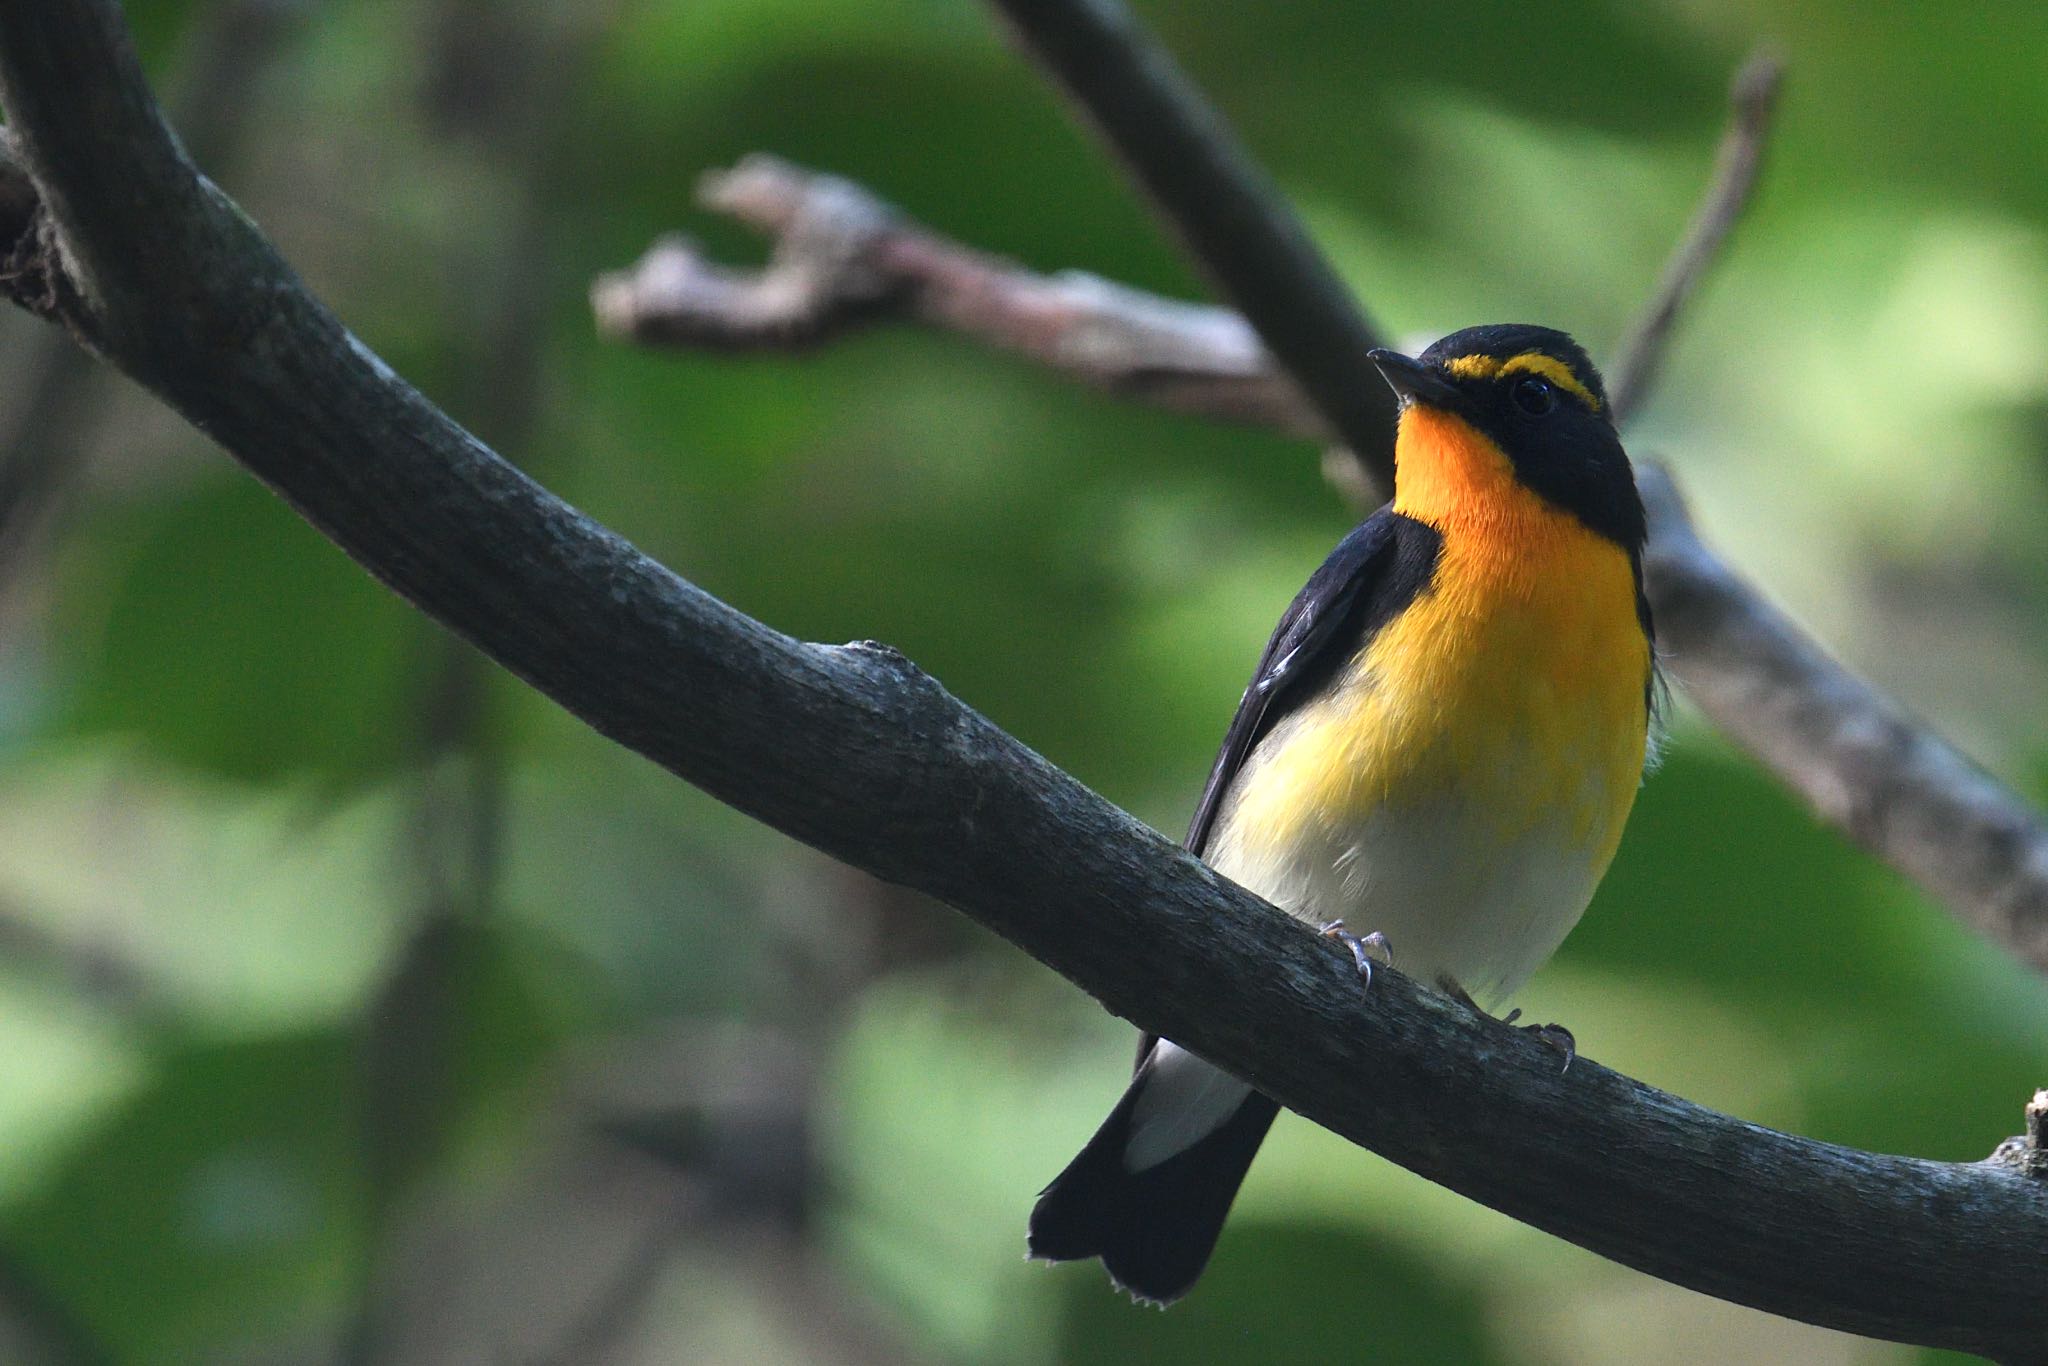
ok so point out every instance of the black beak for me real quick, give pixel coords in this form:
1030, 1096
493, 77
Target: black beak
1414, 381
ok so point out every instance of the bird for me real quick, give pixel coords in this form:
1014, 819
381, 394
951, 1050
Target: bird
1441, 743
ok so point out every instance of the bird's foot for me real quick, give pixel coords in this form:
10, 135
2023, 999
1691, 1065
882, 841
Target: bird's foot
1554, 1035
1364, 951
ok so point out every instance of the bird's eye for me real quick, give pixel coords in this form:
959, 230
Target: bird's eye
1534, 396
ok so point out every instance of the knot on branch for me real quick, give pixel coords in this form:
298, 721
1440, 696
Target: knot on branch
30, 273
33, 273
900, 693
882, 652
2028, 1153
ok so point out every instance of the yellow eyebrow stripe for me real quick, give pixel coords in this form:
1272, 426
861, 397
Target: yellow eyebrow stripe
1529, 362
1474, 367
1554, 370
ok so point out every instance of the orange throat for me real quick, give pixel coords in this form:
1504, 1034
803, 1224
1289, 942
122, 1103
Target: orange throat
1447, 472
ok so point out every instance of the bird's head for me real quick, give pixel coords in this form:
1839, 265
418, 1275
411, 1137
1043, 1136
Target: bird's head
1491, 415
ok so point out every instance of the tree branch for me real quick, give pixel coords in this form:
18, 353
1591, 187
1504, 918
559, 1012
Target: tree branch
1235, 225
852, 749
1752, 99
1865, 765
843, 259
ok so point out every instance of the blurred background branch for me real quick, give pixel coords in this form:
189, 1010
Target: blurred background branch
1753, 101
38, 1328
1862, 762
843, 259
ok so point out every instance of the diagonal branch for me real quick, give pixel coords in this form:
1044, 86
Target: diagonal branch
1864, 763
1752, 99
843, 259
1216, 198
853, 749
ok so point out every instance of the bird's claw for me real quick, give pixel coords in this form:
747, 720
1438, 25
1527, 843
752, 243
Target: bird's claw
1556, 1036
1553, 1035
1364, 951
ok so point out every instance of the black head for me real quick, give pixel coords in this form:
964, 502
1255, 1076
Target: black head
1535, 394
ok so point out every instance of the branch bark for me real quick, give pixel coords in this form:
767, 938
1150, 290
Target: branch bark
46, 433
851, 748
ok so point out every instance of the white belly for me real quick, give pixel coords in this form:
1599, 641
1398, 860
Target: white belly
1454, 893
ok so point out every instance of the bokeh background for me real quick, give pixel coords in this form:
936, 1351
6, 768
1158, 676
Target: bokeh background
357, 1004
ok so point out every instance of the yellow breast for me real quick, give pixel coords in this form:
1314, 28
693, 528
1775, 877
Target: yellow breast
1515, 682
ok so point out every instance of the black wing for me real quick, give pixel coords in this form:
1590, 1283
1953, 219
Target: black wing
1372, 574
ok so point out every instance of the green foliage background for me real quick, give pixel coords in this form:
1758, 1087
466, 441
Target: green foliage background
269, 1071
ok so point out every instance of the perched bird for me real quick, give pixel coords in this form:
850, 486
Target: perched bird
1440, 744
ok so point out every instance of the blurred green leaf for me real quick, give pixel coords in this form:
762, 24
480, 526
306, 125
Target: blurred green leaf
224, 632
213, 1208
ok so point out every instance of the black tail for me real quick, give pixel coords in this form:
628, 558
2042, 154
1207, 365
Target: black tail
1153, 1229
